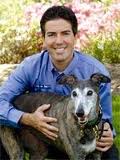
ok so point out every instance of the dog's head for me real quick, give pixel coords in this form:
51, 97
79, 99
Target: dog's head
84, 95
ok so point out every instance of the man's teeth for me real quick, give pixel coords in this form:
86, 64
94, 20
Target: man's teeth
60, 49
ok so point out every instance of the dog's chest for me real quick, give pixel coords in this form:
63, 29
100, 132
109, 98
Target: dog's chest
90, 146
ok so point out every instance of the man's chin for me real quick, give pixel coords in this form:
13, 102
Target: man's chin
60, 58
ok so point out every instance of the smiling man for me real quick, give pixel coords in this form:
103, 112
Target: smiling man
59, 41
40, 72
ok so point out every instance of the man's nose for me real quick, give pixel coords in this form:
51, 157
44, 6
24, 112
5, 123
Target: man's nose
59, 39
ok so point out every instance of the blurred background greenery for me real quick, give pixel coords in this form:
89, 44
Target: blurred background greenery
98, 34
116, 119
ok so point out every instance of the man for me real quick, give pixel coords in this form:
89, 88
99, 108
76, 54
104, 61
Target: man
41, 71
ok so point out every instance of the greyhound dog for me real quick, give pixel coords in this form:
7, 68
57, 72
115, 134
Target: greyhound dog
78, 120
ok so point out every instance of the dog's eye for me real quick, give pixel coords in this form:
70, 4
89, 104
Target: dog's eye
74, 94
89, 93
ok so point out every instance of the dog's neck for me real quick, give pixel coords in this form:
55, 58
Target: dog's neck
95, 121
93, 125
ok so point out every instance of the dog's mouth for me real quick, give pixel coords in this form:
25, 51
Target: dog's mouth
82, 120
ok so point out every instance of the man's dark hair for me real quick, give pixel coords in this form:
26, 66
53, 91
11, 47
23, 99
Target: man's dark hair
56, 12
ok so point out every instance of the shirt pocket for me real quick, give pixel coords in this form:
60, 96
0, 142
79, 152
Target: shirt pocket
42, 88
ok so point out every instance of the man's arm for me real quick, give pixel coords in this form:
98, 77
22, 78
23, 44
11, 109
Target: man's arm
106, 140
14, 86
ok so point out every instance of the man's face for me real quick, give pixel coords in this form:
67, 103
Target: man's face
59, 41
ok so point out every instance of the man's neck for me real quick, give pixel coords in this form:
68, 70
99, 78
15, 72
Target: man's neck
62, 65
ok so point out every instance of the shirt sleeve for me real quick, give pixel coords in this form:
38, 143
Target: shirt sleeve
106, 101
104, 92
16, 84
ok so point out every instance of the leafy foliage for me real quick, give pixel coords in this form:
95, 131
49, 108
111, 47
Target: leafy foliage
105, 49
17, 40
98, 30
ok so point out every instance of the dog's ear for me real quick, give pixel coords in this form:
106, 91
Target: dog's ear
68, 79
100, 78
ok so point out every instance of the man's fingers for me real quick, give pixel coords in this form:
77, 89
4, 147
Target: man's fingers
50, 127
43, 123
101, 144
44, 107
106, 139
49, 119
49, 134
44, 118
106, 126
50, 137
104, 149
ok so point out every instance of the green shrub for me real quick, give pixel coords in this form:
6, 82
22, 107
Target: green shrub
105, 49
17, 40
98, 22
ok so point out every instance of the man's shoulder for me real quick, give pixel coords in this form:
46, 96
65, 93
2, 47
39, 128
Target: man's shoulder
37, 57
34, 62
92, 62
88, 59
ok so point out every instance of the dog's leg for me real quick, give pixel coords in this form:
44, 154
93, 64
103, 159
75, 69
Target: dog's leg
11, 143
97, 155
37, 149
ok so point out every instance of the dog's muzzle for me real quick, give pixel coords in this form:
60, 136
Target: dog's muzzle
82, 118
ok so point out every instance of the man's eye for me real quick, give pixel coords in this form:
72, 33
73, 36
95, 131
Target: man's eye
66, 33
50, 35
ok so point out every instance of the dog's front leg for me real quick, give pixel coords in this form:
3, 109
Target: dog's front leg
97, 155
80, 154
11, 143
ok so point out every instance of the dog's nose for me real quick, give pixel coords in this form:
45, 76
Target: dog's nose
80, 113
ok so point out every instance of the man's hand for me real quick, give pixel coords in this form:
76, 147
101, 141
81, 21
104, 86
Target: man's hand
106, 140
40, 122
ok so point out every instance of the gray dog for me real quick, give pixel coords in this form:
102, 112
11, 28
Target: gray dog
78, 116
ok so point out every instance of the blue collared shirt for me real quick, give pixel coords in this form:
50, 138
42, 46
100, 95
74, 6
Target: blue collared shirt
37, 74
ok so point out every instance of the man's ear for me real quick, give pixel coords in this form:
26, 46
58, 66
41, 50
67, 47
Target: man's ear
44, 45
76, 39
100, 78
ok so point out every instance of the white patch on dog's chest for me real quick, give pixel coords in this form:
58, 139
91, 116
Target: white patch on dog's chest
90, 147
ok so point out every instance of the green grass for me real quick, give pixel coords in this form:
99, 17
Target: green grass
116, 119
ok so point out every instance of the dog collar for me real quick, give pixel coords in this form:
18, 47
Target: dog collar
95, 130
95, 121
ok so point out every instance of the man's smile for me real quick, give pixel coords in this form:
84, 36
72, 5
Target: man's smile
60, 50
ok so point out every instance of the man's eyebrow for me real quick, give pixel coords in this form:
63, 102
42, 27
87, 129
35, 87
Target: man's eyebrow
54, 33
50, 32
61, 32
66, 31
